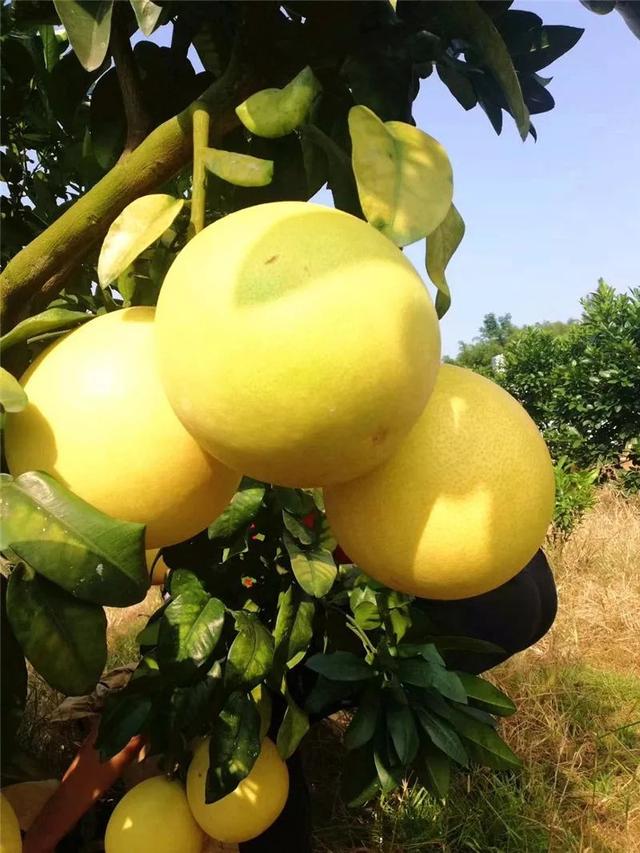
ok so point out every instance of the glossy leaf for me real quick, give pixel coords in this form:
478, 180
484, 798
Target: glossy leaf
250, 657
314, 568
241, 511
486, 696
441, 246
448, 684
51, 320
294, 726
404, 176
277, 112
234, 745
147, 14
12, 395
14, 679
487, 747
426, 651
63, 638
365, 719
294, 627
134, 230
442, 736
88, 26
189, 632
416, 671
341, 666
298, 529
66, 540
402, 728
242, 170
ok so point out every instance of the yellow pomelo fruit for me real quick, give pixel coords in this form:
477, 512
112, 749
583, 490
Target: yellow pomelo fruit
98, 421
250, 808
462, 506
296, 343
28, 799
158, 569
153, 817
10, 838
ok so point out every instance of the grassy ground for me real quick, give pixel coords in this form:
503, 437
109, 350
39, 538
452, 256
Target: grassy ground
577, 727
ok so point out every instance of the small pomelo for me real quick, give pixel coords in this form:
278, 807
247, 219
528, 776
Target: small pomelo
98, 421
464, 503
10, 838
250, 808
296, 343
153, 817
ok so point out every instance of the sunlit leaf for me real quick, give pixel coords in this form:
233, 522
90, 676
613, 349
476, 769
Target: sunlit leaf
147, 14
251, 654
294, 726
314, 568
189, 632
12, 395
135, 229
243, 508
276, 112
51, 320
88, 25
404, 176
234, 745
239, 169
441, 246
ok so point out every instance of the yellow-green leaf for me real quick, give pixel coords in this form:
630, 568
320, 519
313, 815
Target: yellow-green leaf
470, 22
404, 177
441, 245
12, 396
147, 14
88, 25
138, 226
276, 112
239, 169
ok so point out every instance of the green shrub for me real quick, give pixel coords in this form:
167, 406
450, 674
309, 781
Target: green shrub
575, 494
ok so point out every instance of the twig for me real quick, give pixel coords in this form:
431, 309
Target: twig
199, 186
138, 120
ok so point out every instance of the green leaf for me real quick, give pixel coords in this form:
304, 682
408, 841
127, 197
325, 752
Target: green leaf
416, 671
277, 112
66, 540
297, 529
363, 723
314, 569
123, 717
364, 606
147, 14
51, 320
250, 657
401, 726
486, 696
389, 775
242, 170
88, 26
294, 627
50, 46
546, 45
341, 179
326, 694
404, 177
241, 511
63, 638
12, 395
341, 666
262, 698
487, 747
107, 121
442, 736
234, 746
466, 644
14, 680
448, 684
189, 632
441, 246
360, 781
427, 651
134, 230
468, 20
434, 770
458, 84
294, 726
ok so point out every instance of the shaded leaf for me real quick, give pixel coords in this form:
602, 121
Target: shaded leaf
442, 736
234, 746
547, 44
404, 177
134, 230
294, 726
51, 320
294, 627
242, 170
189, 632
441, 246
241, 511
389, 774
250, 657
402, 728
460, 86
365, 720
341, 666
326, 694
88, 26
123, 717
340, 177
65, 539
314, 569
63, 638
277, 112
14, 679
427, 651
13, 397
434, 770
487, 747
360, 781
486, 696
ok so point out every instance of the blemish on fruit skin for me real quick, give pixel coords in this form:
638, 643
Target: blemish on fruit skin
379, 436
271, 259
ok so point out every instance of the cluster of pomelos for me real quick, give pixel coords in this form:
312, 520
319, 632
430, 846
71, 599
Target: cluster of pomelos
295, 344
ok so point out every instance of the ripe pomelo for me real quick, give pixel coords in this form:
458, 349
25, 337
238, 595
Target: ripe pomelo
10, 838
296, 343
464, 503
250, 808
153, 817
98, 421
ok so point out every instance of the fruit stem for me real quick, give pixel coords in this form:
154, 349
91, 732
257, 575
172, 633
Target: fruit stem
199, 186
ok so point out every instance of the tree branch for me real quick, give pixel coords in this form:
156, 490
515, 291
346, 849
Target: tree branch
138, 120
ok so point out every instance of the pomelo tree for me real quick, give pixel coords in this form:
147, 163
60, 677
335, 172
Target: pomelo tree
114, 159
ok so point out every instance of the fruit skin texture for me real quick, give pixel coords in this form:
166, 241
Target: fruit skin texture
153, 817
296, 343
99, 422
462, 506
10, 839
248, 810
